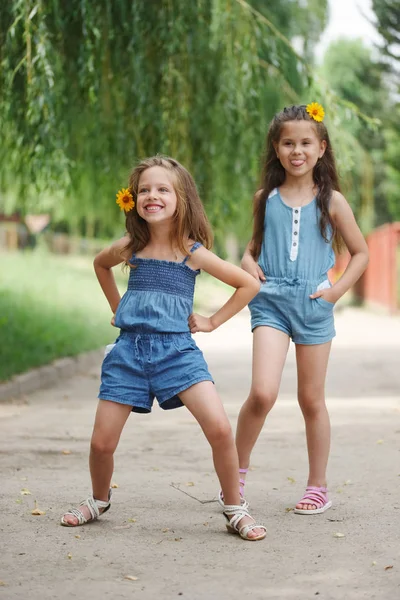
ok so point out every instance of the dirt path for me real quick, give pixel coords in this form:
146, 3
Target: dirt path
176, 545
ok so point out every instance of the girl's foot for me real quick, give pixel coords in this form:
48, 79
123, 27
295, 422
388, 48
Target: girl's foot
315, 501
243, 502
88, 510
242, 523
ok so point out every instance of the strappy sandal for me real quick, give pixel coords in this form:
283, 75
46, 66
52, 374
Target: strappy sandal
318, 496
93, 505
234, 514
243, 502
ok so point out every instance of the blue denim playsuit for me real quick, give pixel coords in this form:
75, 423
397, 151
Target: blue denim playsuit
295, 259
155, 354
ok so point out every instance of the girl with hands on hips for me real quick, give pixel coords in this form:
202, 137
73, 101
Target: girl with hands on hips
166, 246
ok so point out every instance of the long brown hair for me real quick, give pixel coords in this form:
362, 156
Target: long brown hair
190, 220
273, 175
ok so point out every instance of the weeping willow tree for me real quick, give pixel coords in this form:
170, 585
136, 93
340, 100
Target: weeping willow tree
89, 86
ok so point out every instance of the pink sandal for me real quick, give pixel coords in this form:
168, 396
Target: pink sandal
317, 496
243, 503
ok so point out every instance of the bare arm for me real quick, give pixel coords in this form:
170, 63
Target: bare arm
251, 266
357, 246
103, 263
246, 289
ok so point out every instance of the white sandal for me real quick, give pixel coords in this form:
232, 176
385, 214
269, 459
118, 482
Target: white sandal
93, 505
234, 514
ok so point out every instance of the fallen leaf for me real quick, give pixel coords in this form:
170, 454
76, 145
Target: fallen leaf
388, 567
78, 537
154, 469
37, 512
291, 480
19, 501
373, 563
114, 486
2, 583
348, 482
338, 535
339, 491
380, 442
131, 577
178, 539
25, 492
289, 509
205, 524
69, 555
190, 484
131, 520
165, 530
23, 479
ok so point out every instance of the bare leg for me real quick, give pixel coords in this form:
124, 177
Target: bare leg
270, 348
109, 422
205, 405
312, 363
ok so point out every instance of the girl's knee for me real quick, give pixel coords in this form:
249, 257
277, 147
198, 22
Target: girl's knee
261, 401
312, 403
102, 445
220, 434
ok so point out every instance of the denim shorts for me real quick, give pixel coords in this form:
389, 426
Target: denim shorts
142, 366
285, 304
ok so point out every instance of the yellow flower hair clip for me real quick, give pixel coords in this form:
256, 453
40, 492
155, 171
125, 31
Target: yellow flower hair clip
315, 111
125, 200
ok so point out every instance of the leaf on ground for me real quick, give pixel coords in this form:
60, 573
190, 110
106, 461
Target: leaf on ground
154, 469
131, 520
348, 482
289, 509
373, 563
339, 491
131, 577
291, 480
338, 535
165, 530
19, 501
178, 539
36, 512
66, 452
380, 441
388, 567
205, 524
2, 583
114, 486
190, 483
69, 555
25, 492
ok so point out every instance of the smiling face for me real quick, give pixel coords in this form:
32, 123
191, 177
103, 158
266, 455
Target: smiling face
299, 147
156, 196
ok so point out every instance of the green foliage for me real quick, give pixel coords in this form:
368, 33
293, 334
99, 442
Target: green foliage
89, 86
369, 177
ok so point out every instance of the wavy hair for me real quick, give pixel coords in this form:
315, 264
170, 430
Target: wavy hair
190, 220
273, 175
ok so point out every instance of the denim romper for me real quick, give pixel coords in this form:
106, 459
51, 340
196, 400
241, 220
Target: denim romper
295, 259
155, 354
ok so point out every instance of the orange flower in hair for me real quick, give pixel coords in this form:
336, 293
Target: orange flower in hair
125, 200
315, 111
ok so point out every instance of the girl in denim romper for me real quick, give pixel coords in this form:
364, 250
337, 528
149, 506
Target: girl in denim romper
298, 214
155, 354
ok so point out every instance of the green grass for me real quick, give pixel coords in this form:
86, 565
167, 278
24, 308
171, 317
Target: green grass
52, 306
